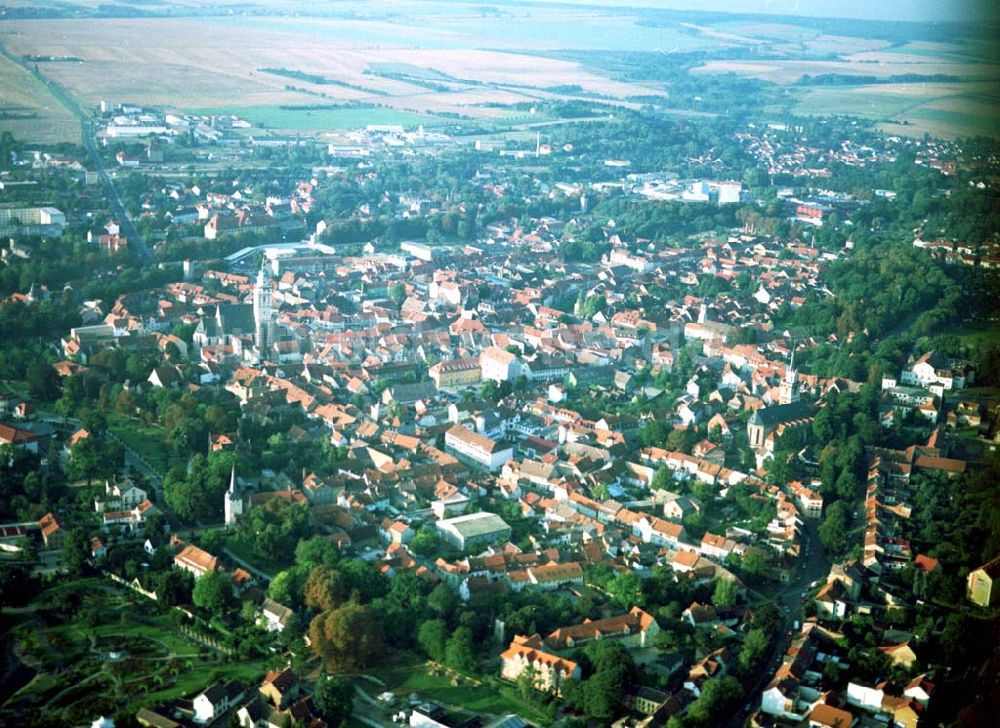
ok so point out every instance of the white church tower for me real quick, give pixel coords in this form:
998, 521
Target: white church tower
789, 390
262, 310
233, 502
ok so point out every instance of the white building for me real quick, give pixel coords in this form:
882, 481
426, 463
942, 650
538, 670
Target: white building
477, 450
215, 701
936, 373
499, 365
474, 530
262, 312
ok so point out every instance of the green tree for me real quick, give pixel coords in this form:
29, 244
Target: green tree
755, 563
443, 601
614, 674
397, 294
325, 588
174, 587
833, 530
460, 652
90, 458
527, 682
316, 551
347, 638
426, 542
726, 593
718, 696
75, 550
44, 383
334, 699
755, 648
287, 586
213, 592
433, 637
626, 590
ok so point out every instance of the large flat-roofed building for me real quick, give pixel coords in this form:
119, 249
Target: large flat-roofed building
473, 530
45, 221
477, 450
420, 251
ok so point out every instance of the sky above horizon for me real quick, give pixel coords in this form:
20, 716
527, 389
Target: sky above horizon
883, 10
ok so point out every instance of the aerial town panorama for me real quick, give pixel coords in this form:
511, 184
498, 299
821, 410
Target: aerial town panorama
451, 364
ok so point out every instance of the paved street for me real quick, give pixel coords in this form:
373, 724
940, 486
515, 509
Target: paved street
791, 600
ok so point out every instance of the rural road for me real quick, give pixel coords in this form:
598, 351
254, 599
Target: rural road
135, 238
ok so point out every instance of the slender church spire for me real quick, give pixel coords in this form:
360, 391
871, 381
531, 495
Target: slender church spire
262, 309
789, 391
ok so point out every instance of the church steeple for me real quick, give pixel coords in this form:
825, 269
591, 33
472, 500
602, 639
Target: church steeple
232, 502
789, 391
262, 310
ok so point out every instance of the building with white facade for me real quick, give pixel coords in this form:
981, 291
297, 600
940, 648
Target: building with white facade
474, 530
499, 365
477, 450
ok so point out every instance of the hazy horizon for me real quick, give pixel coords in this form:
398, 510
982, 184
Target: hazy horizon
885, 10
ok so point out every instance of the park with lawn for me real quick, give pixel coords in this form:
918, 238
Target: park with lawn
409, 674
97, 648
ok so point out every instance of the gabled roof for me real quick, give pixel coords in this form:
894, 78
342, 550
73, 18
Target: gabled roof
530, 649
633, 621
283, 680
197, 559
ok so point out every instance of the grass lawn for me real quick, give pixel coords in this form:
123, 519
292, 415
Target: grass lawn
147, 440
411, 676
982, 333
238, 546
159, 664
304, 119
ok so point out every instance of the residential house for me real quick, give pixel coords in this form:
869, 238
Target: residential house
528, 653
215, 701
274, 617
477, 450
456, 373
828, 716
983, 584
499, 365
196, 561
53, 534
280, 687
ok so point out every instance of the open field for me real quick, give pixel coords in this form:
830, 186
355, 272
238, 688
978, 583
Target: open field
792, 71
301, 119
910, 109
216, 63
885, 99
29, 110
407, 61
962, 104
943, 124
